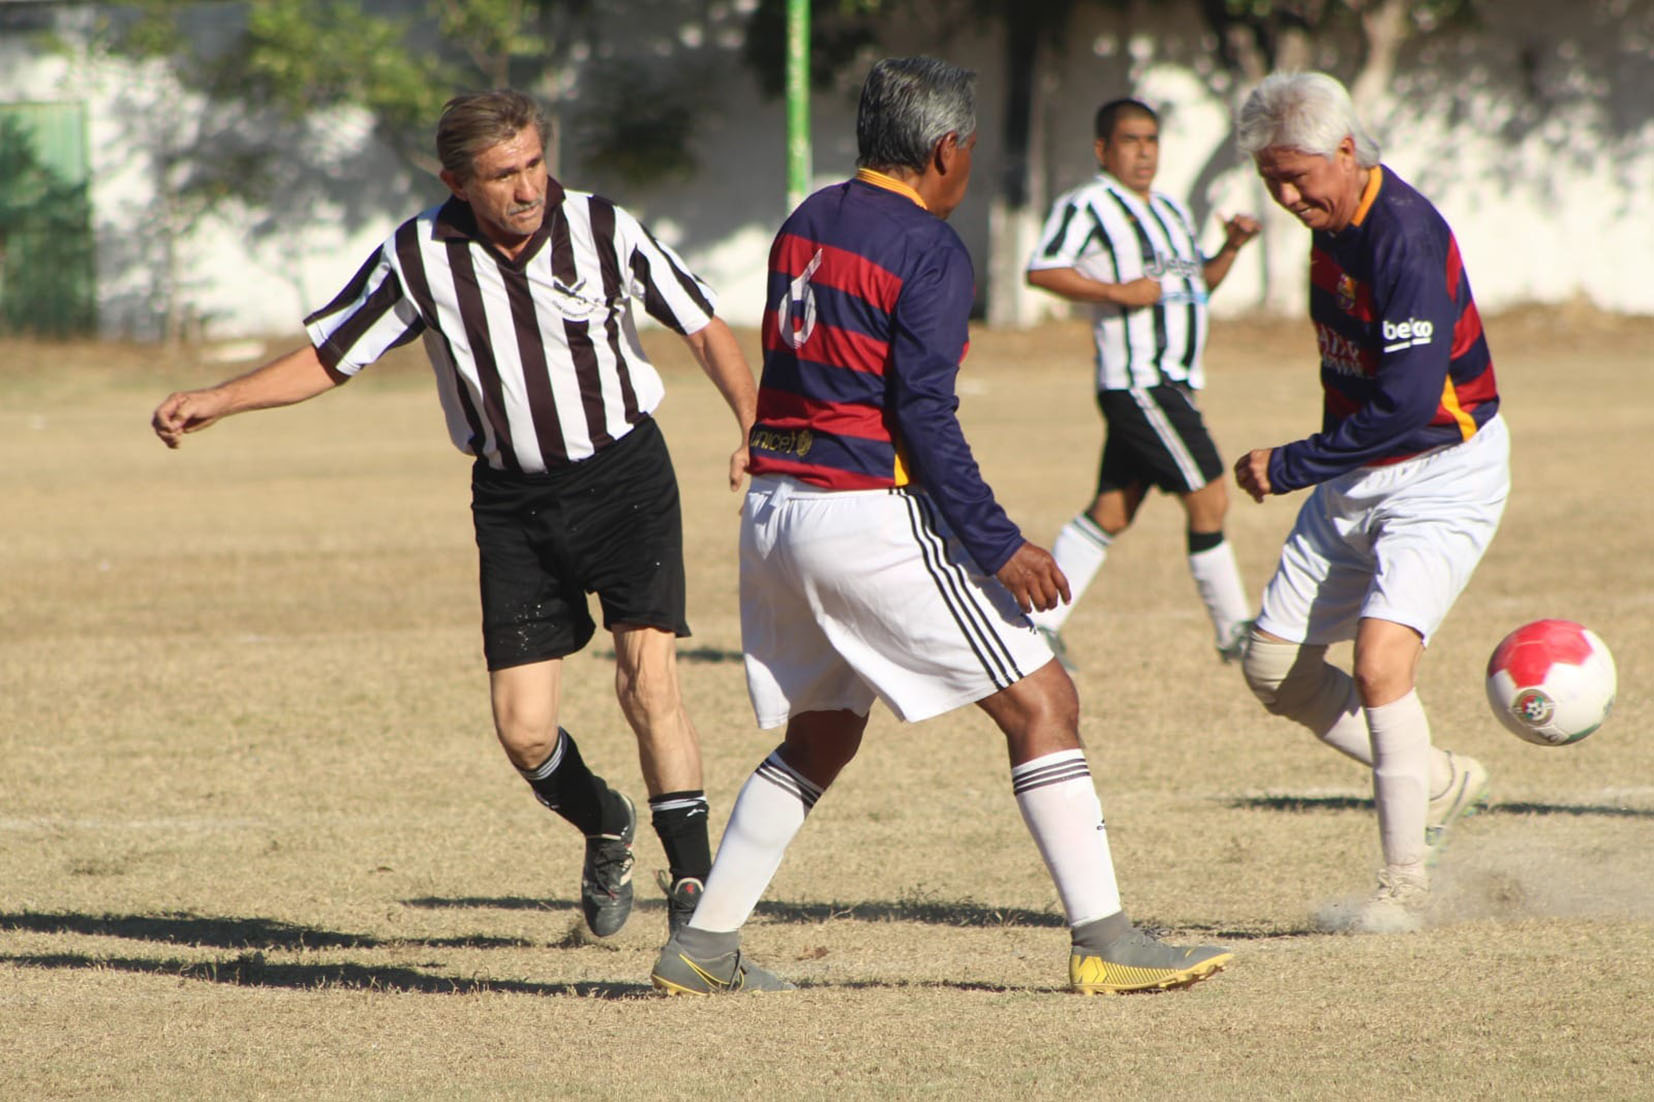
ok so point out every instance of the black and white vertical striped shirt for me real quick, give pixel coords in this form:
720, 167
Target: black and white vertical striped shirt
1105, 231
537, 359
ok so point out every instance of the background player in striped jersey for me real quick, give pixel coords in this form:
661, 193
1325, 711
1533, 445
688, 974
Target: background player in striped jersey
1131, 254
1410, 472
523, 294
875, 562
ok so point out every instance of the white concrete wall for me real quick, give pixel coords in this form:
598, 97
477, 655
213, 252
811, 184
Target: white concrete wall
1550, 187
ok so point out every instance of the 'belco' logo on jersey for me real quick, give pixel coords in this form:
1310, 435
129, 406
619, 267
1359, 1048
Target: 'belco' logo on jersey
795, 315
1407, 334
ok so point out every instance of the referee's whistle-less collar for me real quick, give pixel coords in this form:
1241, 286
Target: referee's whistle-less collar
889, 183
456, 221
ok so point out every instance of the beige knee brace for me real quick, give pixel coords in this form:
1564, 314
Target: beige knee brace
1295, 681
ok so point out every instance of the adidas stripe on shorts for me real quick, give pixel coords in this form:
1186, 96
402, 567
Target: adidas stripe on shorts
1395, 543
852, 595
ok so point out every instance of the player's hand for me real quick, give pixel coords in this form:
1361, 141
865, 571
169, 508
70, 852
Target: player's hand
739, 461
1252, 473
1138, 292
1034, 579
186, 411
1238, 230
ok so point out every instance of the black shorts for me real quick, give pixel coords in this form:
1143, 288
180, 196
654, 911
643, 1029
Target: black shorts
1155, 437
609, 525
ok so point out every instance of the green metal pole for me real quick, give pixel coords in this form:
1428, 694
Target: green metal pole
798, 101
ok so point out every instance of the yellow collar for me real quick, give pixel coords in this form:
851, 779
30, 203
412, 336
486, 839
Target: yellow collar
889, 183
1375, 177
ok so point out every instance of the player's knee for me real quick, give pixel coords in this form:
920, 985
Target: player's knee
1277, 674
646, 694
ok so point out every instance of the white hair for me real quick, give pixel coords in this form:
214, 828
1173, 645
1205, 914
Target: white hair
1308, 112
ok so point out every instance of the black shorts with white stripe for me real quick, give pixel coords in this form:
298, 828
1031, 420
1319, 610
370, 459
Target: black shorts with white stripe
1155, 437
609, 525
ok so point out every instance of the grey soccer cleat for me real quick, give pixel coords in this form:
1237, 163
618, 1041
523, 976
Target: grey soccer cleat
1467, 793
1397, 907
676, 972
1124, 959
606, 879
683, 895
1059, 649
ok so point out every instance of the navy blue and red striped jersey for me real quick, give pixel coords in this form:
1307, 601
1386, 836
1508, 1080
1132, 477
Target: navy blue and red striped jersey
865, 326
1405, 365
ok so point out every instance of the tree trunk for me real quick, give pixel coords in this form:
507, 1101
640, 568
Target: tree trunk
1012, 223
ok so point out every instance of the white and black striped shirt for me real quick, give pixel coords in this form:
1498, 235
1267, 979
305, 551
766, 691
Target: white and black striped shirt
1107, 232
537, 359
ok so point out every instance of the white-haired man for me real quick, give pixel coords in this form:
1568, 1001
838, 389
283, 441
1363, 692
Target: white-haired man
1410, 473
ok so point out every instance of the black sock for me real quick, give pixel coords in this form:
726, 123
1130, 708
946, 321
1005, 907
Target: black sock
563, 783
679, 819
1204, 541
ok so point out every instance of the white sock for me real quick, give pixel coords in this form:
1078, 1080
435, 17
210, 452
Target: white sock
1079, 549
1218, 580
1401, 778
767, 814
1059, 804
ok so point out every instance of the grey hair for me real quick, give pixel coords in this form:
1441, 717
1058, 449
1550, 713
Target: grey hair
908, 104
1308, 112
478, 121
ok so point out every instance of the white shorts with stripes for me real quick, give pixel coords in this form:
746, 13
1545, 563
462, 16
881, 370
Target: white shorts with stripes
1395, 543
852, 595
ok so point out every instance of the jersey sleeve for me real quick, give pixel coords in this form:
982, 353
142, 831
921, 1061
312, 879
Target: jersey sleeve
1066, 236
1414, 313
371, 315
671, 293
929, 337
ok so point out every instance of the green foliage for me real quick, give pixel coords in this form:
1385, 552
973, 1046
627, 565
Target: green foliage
636, 127
45, 246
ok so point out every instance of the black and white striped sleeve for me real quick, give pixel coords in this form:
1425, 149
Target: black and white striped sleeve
371, 315
671, 293
1066, 235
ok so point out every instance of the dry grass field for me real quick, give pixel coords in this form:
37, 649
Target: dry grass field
256, 839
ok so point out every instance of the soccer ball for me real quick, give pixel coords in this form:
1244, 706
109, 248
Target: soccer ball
1551, 682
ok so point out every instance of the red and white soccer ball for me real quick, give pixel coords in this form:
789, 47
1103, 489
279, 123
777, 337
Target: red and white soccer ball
1551, 682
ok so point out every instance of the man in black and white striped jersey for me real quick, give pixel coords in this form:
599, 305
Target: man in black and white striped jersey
523, 293
1132, 254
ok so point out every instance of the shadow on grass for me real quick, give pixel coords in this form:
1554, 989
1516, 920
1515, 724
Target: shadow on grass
934, 912
1363, 803
234, 933
253, 970
705, 656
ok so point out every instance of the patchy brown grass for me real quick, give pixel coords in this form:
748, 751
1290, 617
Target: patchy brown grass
259, 842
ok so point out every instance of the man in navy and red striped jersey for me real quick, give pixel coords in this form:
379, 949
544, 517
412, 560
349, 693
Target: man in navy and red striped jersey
875, 562
1410, 472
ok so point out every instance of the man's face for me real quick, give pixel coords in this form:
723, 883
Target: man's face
1131, 154
958, 178
1322, 192
507, 187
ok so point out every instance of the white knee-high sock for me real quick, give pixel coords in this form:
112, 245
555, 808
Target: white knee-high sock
1349, 735
1401, 778
1218, 579
1079, 549
766, 817
1059, 804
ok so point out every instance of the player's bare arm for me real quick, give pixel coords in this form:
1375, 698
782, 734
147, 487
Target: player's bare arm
1072, 285
1252, 473
1034, 579
719, 354
282, 382
1237, 231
